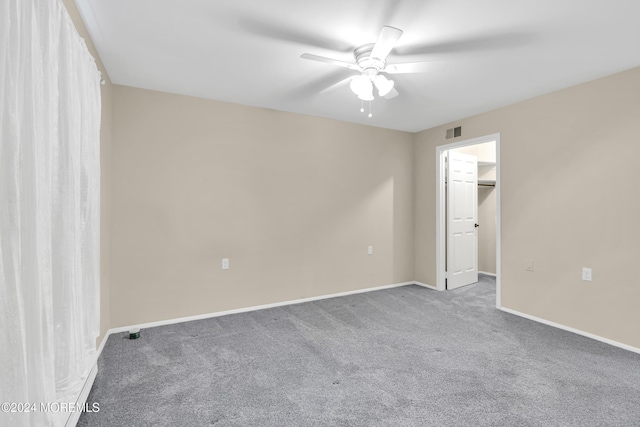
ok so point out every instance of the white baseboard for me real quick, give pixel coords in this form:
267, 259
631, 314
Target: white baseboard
424, 285
487, 273
74, 416
575, 331
247, 309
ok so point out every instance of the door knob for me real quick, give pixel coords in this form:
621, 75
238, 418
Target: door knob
477, 225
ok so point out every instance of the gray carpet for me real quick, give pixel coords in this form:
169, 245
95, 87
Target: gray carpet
407, 356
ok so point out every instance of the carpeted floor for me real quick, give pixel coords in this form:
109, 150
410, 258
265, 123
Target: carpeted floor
406, 356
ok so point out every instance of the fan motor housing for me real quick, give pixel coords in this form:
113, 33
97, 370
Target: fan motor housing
370, 66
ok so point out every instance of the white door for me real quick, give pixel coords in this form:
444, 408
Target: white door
462, 219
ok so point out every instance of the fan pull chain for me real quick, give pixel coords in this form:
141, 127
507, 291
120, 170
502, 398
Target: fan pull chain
361, 106
370, 113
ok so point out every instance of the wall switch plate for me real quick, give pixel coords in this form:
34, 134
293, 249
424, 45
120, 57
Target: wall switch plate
225, 263
528, 265
586, 274
370, 250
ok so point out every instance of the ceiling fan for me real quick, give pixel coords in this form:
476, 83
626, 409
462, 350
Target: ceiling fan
370, 61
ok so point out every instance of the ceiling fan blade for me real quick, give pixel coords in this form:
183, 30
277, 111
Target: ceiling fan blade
392, 94
343, 82
409, 67
329, 61
314, 83
386, 41
479, 43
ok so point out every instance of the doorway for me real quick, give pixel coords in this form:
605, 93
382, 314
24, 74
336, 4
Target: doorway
441, 208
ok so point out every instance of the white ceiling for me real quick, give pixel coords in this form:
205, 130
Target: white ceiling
493, 52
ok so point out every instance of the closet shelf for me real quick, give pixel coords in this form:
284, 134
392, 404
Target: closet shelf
484, 164
482, 182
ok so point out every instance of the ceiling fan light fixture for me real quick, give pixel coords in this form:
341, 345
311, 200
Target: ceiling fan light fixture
383, 84
359, 84
366, 96
362, 87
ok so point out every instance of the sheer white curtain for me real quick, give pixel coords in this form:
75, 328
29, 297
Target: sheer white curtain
49, 207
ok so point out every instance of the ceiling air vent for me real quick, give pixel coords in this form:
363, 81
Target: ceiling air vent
454, 132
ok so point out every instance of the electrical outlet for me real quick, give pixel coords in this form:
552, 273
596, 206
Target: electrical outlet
528, 265
370, 250
225, 263
586, 274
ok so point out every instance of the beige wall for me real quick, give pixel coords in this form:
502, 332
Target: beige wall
105, 161
292, 200
568, 191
